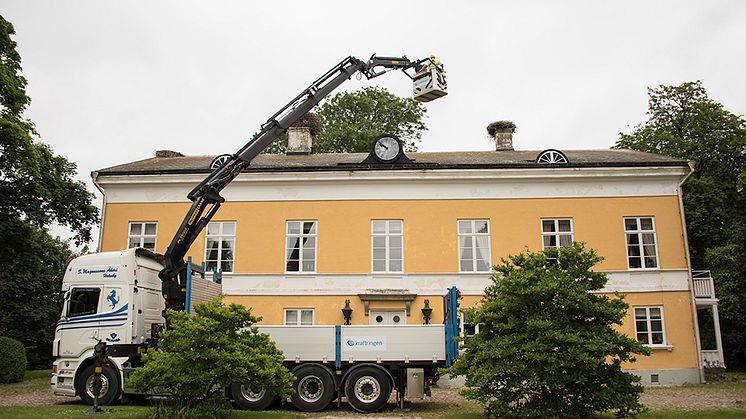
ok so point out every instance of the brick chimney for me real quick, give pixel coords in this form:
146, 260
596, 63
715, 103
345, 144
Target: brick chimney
502, 133
299, 140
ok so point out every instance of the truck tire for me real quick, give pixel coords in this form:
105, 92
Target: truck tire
313, 388
367, 389
251, 399
109, 385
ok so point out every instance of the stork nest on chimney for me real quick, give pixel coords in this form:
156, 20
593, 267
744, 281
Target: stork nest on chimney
310, 121
498, 126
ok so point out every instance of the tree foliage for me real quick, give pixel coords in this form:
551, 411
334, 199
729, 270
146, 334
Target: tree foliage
350, 121
546, 345
683, 121
202, 354
37, 189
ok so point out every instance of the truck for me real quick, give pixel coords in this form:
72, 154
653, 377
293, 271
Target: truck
117, 300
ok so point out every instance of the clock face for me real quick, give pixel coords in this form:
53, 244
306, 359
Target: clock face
387, 148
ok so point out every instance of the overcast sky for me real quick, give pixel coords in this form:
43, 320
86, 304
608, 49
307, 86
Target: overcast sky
111, 82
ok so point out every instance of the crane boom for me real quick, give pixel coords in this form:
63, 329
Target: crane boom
205, 197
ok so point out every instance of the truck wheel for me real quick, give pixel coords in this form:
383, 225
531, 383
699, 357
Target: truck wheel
109, 385
367, 389
313, 389
248, 398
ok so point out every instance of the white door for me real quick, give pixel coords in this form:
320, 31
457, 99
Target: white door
114, 311
78, 330
388, 318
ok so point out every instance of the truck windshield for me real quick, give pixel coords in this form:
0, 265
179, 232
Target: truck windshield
83, 301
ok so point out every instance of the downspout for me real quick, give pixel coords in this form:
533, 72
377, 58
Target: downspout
94, 177
690, 279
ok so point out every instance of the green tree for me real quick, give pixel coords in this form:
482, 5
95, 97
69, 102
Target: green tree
546, 345
202, 354
684, 122
37, 189
350, 121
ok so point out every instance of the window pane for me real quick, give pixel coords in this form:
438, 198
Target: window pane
150, 229
83, 301
481, 226
135, 229
395, 227
464, 227
482, 266
149, 243
640, 313
467, 253
309, 243
630, 224
656, 325
379, 253
133, 242
309, 227
226, 266
635, 262
291, 317
292, 266
229, 229
306, 317
482, 246
309, 266
633, 238
212, 249
210, 265
642, 326
379, 266
379, 227
547, 226
465, 242
395, 253
565, 240
379, 242
550, 241
655, 312
646, 223
642, 338
395, 266
226, 254
657, 338
395, 241
293, 227
651, 262
213, 229
309, 254
467, 265
564, 225
648, 249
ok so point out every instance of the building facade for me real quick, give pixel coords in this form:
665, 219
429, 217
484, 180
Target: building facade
302, 237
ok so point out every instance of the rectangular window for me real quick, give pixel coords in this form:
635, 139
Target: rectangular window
387, 250
300, 246
474, 246
220, 245
649, 325
468, 327
83, 301
142, 235
642, 252
556, 232
298, 317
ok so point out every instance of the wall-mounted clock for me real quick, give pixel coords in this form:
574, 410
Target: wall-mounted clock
387, 148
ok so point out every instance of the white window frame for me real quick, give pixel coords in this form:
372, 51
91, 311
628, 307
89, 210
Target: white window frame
639, 232
473, 235
462, 326
650, 329
556, 233
220, 237
301, 235
387, 235
142, 236
298, 316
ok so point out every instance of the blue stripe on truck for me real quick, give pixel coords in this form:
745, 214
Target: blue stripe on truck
337, 347
94, 316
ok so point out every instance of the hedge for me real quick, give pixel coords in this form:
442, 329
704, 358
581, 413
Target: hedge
12, 360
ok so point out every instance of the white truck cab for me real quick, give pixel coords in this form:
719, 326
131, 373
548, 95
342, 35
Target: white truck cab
114, 297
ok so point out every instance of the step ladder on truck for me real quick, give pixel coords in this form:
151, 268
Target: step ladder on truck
118, 298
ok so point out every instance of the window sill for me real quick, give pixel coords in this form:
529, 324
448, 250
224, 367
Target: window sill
669, 348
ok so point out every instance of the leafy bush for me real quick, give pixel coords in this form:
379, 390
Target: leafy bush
200, 355
546, 345
12, 360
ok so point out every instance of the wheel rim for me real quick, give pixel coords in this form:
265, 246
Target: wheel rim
252, 395
89, 386
367, 389
310, 388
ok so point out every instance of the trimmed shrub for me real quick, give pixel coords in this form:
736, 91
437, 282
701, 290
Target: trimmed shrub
12, 360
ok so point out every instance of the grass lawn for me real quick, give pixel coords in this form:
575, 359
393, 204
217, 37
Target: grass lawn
33, 381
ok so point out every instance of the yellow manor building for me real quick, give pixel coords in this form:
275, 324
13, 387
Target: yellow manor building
303, 236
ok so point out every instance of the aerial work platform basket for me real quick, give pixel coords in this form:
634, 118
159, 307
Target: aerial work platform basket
430, 83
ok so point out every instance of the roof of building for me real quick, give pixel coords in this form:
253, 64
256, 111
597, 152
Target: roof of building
420, 160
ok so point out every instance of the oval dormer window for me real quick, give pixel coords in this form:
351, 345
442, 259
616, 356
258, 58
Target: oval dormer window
552, 157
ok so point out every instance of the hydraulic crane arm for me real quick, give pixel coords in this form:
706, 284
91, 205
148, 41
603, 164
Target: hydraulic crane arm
205, 197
